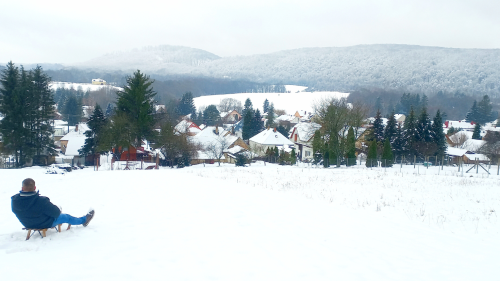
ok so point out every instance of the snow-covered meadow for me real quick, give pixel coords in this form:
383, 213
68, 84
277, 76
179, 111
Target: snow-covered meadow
260, 223
291, 102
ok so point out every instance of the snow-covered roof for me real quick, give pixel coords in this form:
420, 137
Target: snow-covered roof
208, 136
287, 117
472, 144
235, 149
305, 131
75, 139
462, 124
479, 157
270, 137
204, 156
453, 151
187, 126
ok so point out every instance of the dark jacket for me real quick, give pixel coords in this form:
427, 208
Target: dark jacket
33, 210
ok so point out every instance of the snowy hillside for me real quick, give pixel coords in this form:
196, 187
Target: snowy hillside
260, 223
159, 58
84, 86
404, 67
291, 102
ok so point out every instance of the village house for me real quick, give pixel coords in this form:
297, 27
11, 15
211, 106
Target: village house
227, 143
230, 117
269, 138
302, 135
71, 143
188, 127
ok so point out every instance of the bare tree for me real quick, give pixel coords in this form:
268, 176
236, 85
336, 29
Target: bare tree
280, 112
230, 104
458, 139
491, 146
216, 148
357, 116
332, 114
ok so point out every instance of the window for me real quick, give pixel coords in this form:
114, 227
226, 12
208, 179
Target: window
308, 153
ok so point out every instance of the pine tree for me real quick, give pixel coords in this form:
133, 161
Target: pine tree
473, 114
335, 150
266, 106
248, 128
371, 159
484, 111
377, 132
241, 160
390, 128
186, 105
109, 110
293, 157
136, 101
387, 156
424, 143
248, 105
257, 125
317, 142
270, 117
351, 148
41, 93
438, 134
476, 134
398, 142
96, 124
211, 115
410, 132
72, 110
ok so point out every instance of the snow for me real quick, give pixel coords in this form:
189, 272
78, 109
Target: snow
290, 102
270, 137
85, 86
260, 223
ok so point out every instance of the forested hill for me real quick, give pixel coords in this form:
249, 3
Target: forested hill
402, 67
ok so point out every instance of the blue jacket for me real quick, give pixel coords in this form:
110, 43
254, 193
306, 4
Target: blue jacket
33, 210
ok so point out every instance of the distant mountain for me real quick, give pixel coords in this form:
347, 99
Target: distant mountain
403, 67
164, 58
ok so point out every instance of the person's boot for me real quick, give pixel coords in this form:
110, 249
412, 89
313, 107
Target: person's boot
89, 217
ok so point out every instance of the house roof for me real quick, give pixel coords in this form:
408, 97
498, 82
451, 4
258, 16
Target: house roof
480, 157
270, 137
305, 131
472, 144
187, 126
207, 136
453, 151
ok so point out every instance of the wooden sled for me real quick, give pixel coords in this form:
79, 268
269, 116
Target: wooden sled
43, 231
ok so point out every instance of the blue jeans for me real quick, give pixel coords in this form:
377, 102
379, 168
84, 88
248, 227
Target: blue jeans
65, 218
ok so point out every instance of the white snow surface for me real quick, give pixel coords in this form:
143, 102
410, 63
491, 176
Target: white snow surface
259, 223
84, 86
291, 102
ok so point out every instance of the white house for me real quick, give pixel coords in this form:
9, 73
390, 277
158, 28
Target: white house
72, 142
269, 138
302, 135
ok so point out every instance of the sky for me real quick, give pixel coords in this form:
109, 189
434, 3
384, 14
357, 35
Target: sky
54, 31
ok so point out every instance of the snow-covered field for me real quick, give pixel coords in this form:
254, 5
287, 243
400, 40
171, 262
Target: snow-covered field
84, 86
260, 223
291, 102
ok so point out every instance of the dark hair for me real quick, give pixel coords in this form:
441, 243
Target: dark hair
29, 184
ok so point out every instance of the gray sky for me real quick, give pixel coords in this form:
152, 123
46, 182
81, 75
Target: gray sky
74, 31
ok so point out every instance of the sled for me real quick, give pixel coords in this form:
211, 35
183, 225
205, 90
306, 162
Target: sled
43, 231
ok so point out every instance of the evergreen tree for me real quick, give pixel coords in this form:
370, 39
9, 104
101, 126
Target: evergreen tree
317, 142
476, 134
241, 160
282, 130
335, 150
270, 117
211, 115
266, 106
293, 157
377, 132
257, 125
387, 156
72, 110
248, 105
473, 114
390, 128
398, 143
109, 110
44, 108
371, 159
423, 127
96, 124
186, 105
410, 132
484, 109
248, 128
438, 134
350, 148
136, 101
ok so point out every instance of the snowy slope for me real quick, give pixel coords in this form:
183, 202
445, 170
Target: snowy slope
259, 223
290, 102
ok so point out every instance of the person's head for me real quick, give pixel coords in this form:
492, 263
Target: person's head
29, 185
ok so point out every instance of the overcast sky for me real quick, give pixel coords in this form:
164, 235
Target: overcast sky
74, 31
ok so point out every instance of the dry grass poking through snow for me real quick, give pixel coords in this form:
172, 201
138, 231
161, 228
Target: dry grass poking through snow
457, 204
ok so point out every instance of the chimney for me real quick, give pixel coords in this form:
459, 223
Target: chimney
274, 129
216, 129
76, 128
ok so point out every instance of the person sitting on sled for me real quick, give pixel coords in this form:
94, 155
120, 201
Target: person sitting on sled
37, 212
